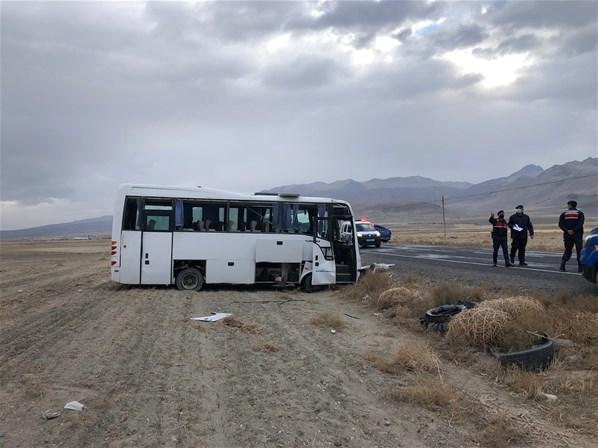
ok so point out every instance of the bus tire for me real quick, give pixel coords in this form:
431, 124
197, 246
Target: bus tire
306, 285
190, 279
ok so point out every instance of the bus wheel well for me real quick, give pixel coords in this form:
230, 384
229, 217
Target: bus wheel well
179, 265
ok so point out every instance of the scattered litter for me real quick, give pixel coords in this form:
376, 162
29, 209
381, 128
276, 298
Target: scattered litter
352, 317
79, 290
381, 266
19, 290
213, 317
333, 331
74, 406
49, 415
377, 314
549, 397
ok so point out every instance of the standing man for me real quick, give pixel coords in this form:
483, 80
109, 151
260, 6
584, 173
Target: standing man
520, 225
499, 237
571, 223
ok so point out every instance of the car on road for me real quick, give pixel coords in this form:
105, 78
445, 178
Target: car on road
367, 235
589, 256
385, 233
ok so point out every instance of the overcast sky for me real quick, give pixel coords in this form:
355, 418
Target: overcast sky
246, 96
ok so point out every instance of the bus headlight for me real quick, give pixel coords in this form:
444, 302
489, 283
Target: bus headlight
359, 234
377, 233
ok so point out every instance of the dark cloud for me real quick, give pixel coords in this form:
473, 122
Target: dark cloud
580, 40
562, 14
462, 36
368, 15
247, 95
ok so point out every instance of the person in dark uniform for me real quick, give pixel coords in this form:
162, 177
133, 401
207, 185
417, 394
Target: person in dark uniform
571, 223
520, 226
499, 237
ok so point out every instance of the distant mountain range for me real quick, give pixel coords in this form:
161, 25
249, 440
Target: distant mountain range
81, 228
545, 191
542, 191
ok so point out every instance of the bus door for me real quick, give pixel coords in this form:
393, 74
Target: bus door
156, 244
323, 266
130, 242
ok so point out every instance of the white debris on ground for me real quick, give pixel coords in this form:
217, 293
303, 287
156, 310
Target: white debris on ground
213, 317
74, 406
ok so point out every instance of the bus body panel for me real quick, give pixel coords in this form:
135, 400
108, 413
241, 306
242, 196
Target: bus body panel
234, 272
214, 245
156, 262
130, 256
279, 250
323, 270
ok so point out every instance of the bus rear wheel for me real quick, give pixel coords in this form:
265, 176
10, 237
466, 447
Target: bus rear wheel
190, 279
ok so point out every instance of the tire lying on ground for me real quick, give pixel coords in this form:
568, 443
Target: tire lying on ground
538, 357
438, 318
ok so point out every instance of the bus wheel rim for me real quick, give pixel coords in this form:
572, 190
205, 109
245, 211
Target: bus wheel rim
190, 281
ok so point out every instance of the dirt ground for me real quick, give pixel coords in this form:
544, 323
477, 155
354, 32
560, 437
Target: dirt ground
149, 376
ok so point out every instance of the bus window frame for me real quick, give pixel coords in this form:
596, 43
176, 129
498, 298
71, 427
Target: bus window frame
170, 213
277, 210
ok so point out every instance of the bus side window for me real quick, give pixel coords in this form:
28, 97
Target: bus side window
250, 218
131, 219
157, 215
298, 218
204, 217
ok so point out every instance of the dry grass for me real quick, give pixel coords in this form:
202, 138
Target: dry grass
453, 292
516, 306
511, 323
548, 237
329, 320
369, 287
247, 327
478, 327
411, 356
527, 318
501, 432
529, 384
266, 346
431, 394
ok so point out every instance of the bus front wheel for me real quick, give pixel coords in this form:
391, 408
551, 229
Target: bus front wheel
306, 285
190, 279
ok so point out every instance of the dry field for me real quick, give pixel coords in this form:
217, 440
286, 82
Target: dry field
547, 238
273, 375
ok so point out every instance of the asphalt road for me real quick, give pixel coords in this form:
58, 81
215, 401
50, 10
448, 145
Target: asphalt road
474, 265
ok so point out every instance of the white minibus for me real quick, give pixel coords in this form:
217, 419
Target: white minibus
191, 236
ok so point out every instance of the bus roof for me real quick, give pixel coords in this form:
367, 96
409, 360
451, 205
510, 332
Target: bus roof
199, 192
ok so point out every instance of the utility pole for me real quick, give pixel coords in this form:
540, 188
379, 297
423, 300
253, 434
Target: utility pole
443, 218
